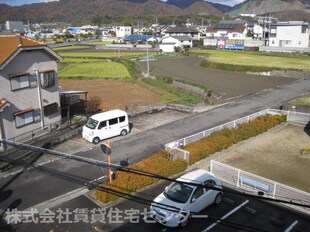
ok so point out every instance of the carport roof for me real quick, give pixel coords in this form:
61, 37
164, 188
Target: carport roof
70, 92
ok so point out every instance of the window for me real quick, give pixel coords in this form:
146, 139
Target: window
113, 121
102, 124
198, 193
304, 29
209, 184
23, 118
47, 79
50, 109
122, 119
20, 81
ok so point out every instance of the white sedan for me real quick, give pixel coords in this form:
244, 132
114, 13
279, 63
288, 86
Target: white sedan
175, 205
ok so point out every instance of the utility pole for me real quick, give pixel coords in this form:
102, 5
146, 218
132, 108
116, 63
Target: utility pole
147, 62
106, 148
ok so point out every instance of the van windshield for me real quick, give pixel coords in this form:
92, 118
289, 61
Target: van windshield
92, 123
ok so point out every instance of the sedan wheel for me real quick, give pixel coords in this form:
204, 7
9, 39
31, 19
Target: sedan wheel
218, 199
184, 221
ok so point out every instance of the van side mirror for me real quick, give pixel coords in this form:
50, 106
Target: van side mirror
194, 199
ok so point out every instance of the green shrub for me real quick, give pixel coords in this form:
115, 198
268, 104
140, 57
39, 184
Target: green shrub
220, 140
165, 79
128, 182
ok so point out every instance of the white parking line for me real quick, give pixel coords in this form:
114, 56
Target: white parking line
226, 216
291, 226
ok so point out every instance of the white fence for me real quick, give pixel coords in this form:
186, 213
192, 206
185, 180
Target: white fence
292, 116
246, 181
298, 117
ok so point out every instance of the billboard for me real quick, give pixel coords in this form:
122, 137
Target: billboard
230, 44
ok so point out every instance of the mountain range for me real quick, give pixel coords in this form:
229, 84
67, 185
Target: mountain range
71, 10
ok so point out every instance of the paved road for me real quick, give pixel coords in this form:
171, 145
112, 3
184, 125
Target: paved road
33, 187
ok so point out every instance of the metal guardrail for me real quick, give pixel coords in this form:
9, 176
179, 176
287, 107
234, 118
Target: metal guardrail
246, 181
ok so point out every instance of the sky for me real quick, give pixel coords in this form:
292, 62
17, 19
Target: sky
21, 2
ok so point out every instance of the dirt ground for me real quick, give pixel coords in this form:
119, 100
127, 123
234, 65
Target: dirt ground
114, 93
275, 155
117, 94
229, 85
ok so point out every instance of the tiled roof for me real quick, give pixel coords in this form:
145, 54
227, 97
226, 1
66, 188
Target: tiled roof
182, 30
234, 28
10, 43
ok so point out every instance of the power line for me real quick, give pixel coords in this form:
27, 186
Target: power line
148, 174
95, 185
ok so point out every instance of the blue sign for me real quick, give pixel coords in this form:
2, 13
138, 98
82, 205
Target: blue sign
230, 44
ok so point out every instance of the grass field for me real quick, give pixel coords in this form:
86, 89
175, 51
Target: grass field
94, 69
70, 48
100, 42
79, 60
304, 101
101, 54
257, 59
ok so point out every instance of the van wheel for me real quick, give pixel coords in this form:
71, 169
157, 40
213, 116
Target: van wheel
123, 132
96, 140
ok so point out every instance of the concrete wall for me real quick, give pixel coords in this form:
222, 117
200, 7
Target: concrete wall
247, 42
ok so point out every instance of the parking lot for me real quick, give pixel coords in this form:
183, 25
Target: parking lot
235, 213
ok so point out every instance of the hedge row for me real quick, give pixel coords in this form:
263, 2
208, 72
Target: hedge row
128, 182
225, 138
160, 164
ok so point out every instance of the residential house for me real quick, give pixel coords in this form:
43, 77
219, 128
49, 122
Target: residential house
291, 34
122, 31
141, 30
29, 88
183, 31
169, 43
228, 29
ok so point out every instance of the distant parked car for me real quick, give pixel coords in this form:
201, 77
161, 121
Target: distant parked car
179, 200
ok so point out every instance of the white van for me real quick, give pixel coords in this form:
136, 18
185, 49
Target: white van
106, 125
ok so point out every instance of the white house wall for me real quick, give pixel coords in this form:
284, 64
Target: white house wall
291, 34
122, 31
167, 47
27, 98
177, 42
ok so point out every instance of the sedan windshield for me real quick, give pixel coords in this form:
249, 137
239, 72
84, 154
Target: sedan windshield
178, 192
92, 124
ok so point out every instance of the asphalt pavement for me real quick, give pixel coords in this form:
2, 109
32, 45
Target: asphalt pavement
35, 186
